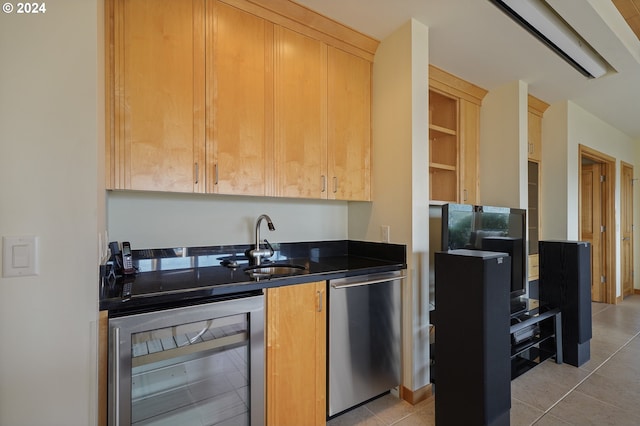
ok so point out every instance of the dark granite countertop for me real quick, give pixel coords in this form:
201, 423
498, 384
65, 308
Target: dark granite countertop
180, 276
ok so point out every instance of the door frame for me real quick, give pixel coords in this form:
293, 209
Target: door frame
628, 203
608, 165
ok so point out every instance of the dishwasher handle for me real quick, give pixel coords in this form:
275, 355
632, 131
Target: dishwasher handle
338, 285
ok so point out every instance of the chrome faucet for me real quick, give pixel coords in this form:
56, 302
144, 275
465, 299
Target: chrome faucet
258, 253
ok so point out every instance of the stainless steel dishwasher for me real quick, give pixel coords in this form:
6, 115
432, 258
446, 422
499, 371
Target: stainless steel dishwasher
364, 338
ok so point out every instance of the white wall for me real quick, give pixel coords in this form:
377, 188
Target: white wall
565, 127
554, 202
401, 180
503, 146
153, 220
50, 130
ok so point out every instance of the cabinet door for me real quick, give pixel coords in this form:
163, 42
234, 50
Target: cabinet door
469, 155
349, 126
300, 115
239, 93
296, 355
158, 108
535, 137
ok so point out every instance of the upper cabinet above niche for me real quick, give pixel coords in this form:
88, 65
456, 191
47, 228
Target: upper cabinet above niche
454, 138
242, 97
536, 109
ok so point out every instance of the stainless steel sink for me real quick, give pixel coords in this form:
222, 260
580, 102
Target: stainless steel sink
268, 270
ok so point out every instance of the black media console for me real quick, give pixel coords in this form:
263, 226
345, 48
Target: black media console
536, 335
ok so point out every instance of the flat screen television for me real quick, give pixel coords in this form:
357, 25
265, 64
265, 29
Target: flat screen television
501, 229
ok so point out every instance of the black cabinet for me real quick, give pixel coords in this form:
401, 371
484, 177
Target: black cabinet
473, 345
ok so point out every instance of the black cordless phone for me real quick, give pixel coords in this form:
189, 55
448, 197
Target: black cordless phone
127, 260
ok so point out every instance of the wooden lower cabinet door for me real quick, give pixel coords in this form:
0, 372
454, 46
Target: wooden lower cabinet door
296, 355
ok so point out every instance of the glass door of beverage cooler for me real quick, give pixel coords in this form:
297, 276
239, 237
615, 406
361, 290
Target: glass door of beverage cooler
197, 365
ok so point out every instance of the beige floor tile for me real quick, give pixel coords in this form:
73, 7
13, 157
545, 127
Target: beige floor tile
547, 383
610, 334
523, 414
622, 394
390, 409
628, 355
581, 409
550, 420
600, 352
597, 307
622, 320
634, 343
631, 300
360, 416
425, 415
603, 348
623, 367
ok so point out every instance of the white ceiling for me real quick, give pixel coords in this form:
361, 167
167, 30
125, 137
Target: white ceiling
474, 40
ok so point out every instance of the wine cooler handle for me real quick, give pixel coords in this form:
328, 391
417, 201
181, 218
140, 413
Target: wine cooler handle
116, 366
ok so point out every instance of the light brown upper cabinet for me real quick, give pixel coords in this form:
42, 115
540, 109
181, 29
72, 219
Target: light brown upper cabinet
300, 114
536, 110
322, 120
236, 97
155, 95
239, 97
454, 138
349, 126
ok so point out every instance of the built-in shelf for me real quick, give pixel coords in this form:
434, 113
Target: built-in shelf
444, 130
454, 135
442, 166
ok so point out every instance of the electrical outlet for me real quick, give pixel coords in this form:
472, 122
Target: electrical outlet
385, 231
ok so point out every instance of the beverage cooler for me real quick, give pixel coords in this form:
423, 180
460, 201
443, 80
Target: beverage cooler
193, 365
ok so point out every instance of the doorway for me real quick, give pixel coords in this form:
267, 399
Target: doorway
596, 224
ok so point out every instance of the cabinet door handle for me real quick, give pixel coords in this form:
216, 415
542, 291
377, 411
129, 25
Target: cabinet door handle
323, 180
216, 174
465, 194
335, 184
319, 292
197, 173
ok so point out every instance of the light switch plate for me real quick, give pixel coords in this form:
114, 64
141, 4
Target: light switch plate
19, 256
